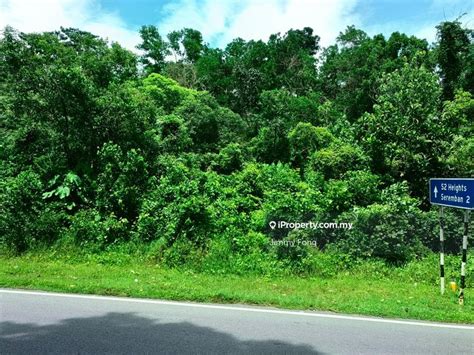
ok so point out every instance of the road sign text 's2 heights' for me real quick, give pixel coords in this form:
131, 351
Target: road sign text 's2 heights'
456, 192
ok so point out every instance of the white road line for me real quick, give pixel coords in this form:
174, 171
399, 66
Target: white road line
238, 308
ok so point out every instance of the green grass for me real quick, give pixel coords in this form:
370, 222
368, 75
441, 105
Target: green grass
360, 291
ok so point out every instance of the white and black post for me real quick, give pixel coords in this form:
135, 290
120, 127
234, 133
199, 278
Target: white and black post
464, 257
441, 247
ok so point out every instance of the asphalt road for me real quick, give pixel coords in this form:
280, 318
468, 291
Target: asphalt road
37, 322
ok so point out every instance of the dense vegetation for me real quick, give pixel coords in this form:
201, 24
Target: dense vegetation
189, 151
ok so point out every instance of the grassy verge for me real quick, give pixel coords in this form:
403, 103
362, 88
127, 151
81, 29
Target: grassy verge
355, 292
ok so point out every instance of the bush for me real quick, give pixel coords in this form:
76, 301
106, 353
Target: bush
356, 188
271, 145
327, 264
121, 182
202, 124
166, 92
294, 254
91, 230
230, 159
287, 198
333, 162
20, 206
389, 230
49, 225
176, 207
182, 253
305, 139
173, 135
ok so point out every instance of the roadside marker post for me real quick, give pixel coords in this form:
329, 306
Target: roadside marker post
441, 248
455, 193
464, 257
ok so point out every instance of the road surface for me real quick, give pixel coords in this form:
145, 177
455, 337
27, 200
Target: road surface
38, 322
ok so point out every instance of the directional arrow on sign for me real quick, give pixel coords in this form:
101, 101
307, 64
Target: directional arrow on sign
435, 191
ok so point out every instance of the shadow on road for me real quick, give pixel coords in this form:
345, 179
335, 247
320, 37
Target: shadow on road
131, 334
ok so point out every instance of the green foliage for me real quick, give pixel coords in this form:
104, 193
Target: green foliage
404, 134
230, 159
121, 182
364, 187
305, 139
243, 255
333, 161
288, 198
106, 149
352, 67
173, 136
454, 54
186, 44
155, 49
239, 74
175, 209
92, 231
391, 230
459, 151
68, 191
356, 188
459, 161
24, 219
458, 113
202, 124
125, 115
165, 92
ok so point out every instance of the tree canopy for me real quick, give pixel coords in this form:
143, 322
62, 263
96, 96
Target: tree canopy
196, 148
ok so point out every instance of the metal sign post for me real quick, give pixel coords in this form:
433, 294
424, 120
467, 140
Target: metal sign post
464, 257
441, 247
456, 193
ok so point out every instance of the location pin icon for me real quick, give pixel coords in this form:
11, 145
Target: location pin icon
272, 224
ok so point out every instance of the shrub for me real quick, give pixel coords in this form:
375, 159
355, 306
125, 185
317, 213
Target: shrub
67, 190
305, 139
287, 198
356, 188
389, 230
202, 124
271, 145
363, 186
177, 206
230, 159
294, 254
173, 135
20, 206
91, 230
333, 162
121, 182
326, 264
49, 224
166, 92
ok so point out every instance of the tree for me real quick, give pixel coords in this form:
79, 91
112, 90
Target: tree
239, 74
187, 45
305, 139
455, 55
404, 133
459, 148
154, 47
352, 67
291, 62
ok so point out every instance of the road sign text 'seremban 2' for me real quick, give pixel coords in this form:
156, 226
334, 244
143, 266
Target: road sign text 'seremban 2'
452, 192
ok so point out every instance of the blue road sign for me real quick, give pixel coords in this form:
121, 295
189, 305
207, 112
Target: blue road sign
452, 192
